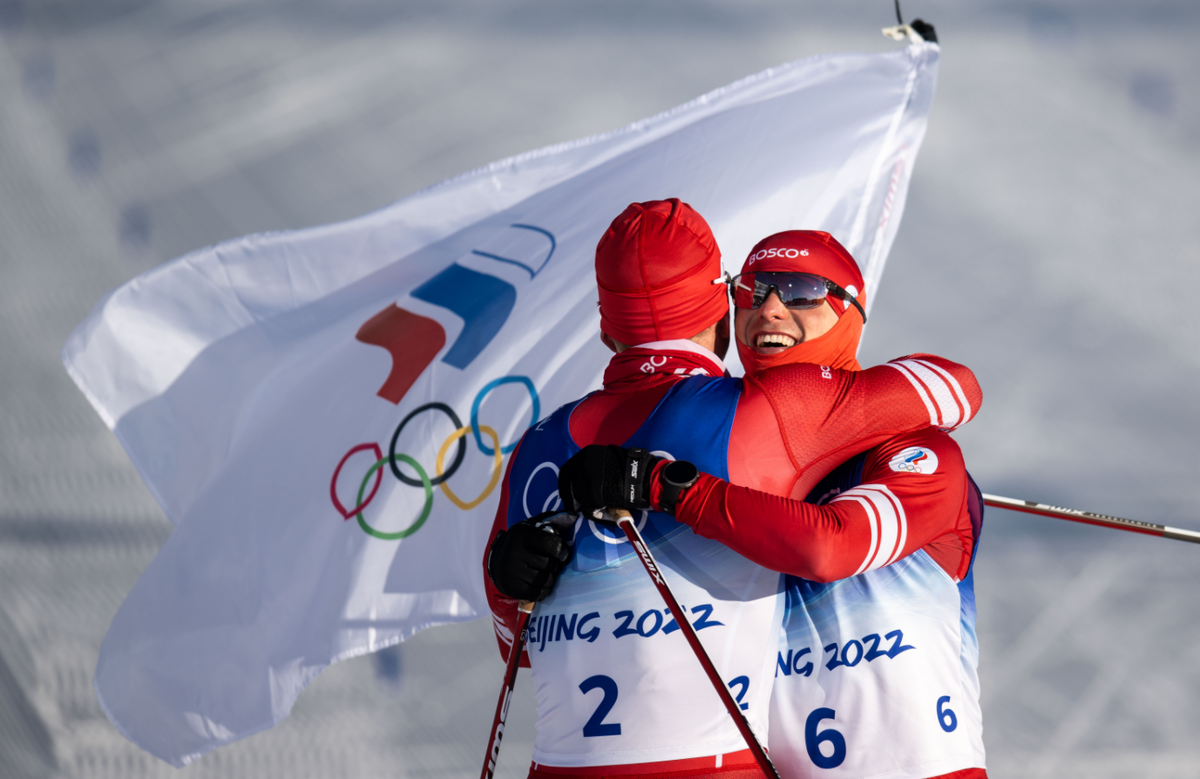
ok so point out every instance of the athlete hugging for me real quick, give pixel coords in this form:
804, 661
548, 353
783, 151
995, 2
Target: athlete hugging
814, 519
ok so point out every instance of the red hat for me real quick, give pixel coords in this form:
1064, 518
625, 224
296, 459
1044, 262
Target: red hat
812, 251
655, 267
809, 251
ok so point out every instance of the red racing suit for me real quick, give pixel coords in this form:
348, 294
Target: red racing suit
898, 510
791, 427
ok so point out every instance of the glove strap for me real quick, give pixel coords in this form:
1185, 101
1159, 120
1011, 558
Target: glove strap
638, 465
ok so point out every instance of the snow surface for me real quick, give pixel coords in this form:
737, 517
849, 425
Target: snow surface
1049, 242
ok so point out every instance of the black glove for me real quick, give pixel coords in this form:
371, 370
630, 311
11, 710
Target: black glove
601, 477
525, 560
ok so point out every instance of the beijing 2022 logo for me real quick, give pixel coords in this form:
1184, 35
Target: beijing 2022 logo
484, 303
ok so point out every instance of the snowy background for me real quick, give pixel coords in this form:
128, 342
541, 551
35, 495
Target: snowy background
1050, 242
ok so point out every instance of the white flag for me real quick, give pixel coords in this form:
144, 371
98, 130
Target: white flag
325, 414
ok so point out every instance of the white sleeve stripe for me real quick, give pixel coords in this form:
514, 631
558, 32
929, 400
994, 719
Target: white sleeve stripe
921, 391
502, 631
947, 404
889, 524
951, 411
873, 521
954, 385
889, 527
901, 521
880, 526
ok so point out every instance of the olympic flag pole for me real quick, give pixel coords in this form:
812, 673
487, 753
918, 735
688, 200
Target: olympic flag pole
625, 522
524, 609
1089, 518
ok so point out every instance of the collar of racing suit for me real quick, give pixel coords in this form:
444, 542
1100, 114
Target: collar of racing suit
660, 361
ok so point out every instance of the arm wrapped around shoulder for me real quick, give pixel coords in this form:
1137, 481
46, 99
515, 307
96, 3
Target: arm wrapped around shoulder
949, 391
913, 494
827, 415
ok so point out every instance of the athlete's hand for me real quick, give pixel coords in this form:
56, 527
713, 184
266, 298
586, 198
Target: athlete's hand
602, 477
525, 560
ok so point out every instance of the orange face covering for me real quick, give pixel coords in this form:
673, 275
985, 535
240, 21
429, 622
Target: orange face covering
812, 251
836, 349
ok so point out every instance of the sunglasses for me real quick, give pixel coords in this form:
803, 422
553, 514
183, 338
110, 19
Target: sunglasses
795, 290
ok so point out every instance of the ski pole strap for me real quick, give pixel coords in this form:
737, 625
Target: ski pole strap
625, 522
524, 608
1089, 518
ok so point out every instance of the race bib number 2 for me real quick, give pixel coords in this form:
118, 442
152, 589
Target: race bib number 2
596, 726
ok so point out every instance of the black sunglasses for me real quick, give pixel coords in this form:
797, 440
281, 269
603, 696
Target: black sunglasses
795, 290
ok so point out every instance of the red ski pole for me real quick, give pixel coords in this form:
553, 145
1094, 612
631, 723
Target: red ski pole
524, 608
625, 522
1088, 518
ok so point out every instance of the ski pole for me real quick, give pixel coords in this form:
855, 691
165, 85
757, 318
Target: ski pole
524, 608
1087, 517
625, 522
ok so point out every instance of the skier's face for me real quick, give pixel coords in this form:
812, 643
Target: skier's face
773, 328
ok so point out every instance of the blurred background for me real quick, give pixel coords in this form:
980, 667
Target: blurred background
1050, 242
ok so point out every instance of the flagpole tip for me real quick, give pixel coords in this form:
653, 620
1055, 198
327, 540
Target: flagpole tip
917, 32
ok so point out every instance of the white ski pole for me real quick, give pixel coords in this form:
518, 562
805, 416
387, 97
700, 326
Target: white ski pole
1088, 518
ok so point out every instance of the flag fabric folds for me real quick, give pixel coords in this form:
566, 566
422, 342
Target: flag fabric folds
325, 415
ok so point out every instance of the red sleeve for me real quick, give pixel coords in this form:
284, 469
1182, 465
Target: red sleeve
504, 609
897, 509
827, 416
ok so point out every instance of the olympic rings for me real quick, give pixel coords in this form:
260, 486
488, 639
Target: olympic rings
496, 452
458, 458
537, 409
415, 526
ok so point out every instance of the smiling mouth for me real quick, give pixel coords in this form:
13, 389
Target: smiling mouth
773, 341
